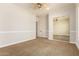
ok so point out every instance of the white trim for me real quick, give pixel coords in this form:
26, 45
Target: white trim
72, 42
28, 35
2, 32
9, 44
77, 46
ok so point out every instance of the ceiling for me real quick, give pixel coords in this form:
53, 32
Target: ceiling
51, 6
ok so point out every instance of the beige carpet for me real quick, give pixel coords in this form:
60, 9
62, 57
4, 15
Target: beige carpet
40, 47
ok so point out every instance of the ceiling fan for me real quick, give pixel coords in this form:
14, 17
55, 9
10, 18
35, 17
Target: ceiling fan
40, 6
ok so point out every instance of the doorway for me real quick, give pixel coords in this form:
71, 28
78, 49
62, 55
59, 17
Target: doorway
42, 26
61, 28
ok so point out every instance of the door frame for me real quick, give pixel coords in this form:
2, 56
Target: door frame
47, 22
69, 27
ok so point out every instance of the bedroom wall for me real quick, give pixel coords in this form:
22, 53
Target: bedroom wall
63, 10
17, 24
77, 26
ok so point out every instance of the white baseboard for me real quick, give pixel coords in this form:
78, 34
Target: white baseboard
11, 38
72, 42
77, 45
16, 42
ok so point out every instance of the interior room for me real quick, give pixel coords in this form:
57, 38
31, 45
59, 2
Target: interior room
39, 29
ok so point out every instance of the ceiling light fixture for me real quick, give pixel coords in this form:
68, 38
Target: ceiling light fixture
40, 6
